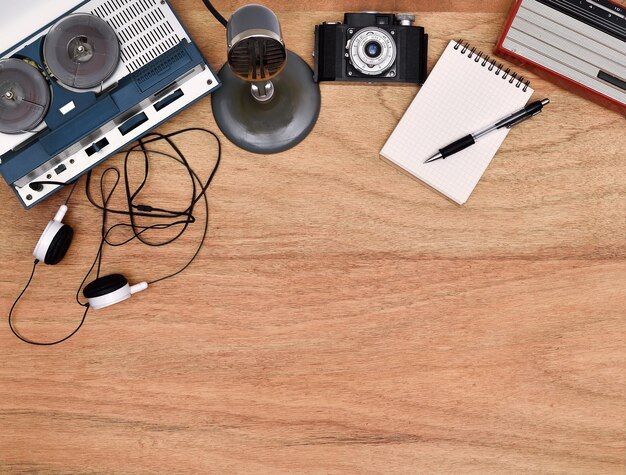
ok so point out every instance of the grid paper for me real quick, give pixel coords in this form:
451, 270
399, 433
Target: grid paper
461, 96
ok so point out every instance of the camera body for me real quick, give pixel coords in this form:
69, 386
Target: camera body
371, 47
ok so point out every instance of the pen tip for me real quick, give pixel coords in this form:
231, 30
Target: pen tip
545, 102
433, 158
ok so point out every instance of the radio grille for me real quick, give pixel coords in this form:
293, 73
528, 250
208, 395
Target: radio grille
142, 28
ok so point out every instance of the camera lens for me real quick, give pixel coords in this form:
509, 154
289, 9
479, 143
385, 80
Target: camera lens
373, 49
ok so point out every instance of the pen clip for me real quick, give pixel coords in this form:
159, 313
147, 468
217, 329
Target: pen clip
522, 119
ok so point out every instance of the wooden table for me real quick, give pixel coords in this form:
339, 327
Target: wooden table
342, 317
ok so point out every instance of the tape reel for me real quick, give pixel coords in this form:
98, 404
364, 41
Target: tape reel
24, 96
81, 51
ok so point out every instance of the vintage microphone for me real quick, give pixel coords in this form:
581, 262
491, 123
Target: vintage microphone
268, 101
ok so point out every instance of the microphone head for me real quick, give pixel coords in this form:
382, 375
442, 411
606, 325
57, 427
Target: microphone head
256, 50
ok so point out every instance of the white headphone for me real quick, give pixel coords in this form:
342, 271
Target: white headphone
55, 240
102, 292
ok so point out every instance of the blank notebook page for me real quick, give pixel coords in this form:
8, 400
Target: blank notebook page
460, 97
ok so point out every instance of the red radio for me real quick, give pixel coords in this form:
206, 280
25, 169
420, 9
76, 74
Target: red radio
581, 43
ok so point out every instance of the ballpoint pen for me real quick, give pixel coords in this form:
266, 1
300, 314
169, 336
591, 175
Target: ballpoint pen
526, 113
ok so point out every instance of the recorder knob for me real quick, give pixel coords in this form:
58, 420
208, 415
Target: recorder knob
405, 19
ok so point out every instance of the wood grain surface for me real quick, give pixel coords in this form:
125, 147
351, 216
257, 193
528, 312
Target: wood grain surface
342, 318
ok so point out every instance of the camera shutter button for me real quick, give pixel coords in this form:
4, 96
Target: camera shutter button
405, 19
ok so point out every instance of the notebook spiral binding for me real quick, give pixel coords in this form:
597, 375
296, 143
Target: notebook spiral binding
492, 64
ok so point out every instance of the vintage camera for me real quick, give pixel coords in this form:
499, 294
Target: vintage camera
371, 47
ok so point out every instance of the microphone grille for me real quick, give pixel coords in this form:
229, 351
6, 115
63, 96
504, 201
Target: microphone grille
257, 58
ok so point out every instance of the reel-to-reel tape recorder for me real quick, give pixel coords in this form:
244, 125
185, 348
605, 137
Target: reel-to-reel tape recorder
88, 84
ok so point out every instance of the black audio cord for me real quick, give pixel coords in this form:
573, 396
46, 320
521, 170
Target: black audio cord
215, 13
69, 196
38, 186
181, 218
133, 210
41, 343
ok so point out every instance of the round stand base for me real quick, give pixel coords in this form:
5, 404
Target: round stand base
270, 127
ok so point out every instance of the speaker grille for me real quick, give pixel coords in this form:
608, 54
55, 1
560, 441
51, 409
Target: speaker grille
257, 58
142, 28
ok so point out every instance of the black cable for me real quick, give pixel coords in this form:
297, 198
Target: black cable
67, 200
215, 13
145, 210
40, 343
103, 231
182, 218
137, 234
35, 185
38, 186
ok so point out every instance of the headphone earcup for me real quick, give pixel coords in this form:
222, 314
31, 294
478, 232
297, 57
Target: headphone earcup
59, 245
104, 286
109, 290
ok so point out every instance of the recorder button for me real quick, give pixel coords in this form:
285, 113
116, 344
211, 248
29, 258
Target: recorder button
132, 123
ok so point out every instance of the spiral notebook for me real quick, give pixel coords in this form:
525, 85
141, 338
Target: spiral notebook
465, 92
